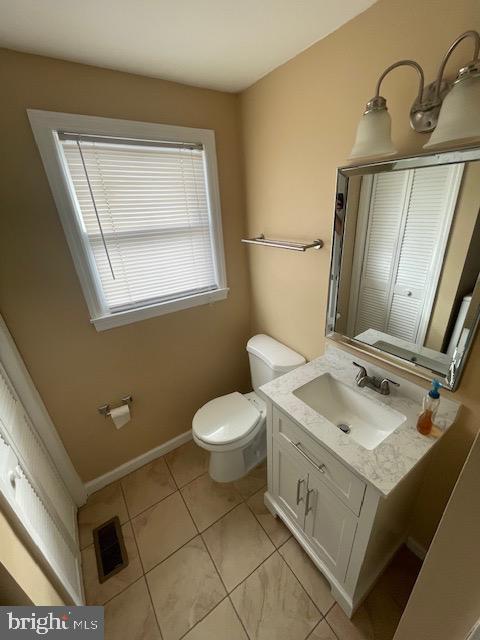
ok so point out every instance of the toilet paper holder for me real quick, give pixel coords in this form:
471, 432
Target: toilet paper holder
106, 408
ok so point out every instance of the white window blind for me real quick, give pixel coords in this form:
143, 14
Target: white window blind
144, 212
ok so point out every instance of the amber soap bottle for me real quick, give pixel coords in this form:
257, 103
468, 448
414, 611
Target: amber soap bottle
431, 401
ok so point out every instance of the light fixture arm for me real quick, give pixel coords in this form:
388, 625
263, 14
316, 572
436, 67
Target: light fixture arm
476, 52
403, 63
453, 105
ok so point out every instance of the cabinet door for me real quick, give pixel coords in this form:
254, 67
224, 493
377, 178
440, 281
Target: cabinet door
330, 525
289, 482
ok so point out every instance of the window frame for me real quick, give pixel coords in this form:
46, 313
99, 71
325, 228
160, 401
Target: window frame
45, 125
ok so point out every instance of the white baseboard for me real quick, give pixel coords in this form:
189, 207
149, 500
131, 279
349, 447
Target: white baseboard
124, 469
416, 548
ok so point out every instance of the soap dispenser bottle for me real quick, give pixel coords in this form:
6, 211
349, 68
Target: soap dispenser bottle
430, 406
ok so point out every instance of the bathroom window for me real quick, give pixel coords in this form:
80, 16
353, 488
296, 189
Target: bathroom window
140, 207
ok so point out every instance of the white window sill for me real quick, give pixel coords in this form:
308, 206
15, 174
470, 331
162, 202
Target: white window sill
142, 313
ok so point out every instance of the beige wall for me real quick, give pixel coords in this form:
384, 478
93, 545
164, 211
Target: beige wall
447, 608
348, 251
299, 125
463, 225
17, 561
170, 364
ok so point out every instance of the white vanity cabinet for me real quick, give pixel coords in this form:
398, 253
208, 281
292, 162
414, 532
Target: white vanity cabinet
344, 524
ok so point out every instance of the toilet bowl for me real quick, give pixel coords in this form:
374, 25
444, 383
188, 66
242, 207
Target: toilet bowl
233, 427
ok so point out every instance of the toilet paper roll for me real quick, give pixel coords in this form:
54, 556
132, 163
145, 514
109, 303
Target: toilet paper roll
120, 415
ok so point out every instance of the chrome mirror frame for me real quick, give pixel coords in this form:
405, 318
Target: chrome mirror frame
472, 321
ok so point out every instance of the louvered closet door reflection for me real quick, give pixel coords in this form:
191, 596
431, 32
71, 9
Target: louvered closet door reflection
409, 212
384, 218
426, 213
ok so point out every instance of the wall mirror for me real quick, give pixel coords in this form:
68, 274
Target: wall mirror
404, 278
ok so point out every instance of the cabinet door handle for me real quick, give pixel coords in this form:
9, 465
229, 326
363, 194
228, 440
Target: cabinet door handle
308, 508
300, 481
298, 446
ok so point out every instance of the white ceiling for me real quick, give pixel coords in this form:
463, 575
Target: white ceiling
221, 44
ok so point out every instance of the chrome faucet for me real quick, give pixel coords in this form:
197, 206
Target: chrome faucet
380, 385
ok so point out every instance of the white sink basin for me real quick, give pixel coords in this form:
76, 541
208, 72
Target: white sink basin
369, 423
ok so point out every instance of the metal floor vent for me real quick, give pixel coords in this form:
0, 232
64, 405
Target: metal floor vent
109, 549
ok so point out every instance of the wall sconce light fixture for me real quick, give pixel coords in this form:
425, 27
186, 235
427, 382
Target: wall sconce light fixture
450, 109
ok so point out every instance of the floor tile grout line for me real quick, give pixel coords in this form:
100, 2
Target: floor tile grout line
215, 565
300, 583
256, 569
170, 470
153, 605
238, 616
154, 504
203, 617
189, 512
132, 517
252, 572
173, 476
221, 518
104, 604
144, 578
224, 514
316, 627
218, 519
330, 626
331, 607
126, 503
171, 554
137, 546
242, 500
258, 520
206, 547
243, 579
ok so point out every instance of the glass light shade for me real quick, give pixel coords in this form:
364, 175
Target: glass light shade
374, 135
459, 118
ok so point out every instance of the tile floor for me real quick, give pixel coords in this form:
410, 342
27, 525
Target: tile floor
207, 561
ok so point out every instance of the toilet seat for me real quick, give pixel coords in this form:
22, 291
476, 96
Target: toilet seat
225, 420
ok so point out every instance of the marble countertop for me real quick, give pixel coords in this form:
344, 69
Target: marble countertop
386, 465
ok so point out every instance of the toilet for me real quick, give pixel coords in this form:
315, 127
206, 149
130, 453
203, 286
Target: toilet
233, 427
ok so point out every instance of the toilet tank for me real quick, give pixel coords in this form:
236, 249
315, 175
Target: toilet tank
270, 359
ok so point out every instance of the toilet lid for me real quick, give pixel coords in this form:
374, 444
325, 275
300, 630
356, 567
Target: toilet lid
225, 419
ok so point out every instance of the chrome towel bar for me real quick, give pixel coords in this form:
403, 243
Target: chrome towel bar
284, 244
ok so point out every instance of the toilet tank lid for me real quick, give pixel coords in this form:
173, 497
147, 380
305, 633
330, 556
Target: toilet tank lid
275, 354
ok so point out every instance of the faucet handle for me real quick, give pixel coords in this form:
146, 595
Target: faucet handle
385, 386
362, 373
397, 384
